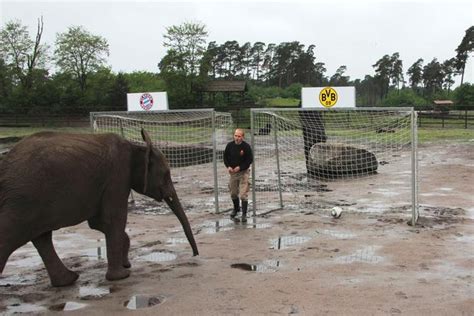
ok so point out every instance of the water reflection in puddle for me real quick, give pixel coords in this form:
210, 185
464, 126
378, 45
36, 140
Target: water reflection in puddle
142, 301
22, 279
98, 253
338, 234
284, 242
226, 224
93, 293
366, 255
27, 262
68, 306
158, 256
174, 241
24, 308
265, 266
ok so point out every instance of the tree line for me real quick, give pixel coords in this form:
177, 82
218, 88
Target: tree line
73, 75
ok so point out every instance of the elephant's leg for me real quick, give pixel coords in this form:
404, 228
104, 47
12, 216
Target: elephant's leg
97, 224
58, 273
12, 238
114, 219
114, 240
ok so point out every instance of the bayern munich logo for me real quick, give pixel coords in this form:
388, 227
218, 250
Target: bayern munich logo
146, 101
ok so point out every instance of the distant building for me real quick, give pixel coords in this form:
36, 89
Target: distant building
232, 92
442, 105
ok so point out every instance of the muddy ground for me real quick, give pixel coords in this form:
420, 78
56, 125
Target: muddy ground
298, 261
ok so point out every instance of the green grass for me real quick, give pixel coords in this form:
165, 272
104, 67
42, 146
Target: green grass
426, 135
25, 131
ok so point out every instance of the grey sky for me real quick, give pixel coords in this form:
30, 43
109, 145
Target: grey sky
351, 33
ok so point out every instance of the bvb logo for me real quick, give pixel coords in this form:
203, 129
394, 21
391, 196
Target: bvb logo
328, 97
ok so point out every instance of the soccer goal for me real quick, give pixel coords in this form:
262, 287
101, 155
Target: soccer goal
193, 142
361, 158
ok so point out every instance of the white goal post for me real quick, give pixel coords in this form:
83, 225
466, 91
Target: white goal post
363, 159
193, 142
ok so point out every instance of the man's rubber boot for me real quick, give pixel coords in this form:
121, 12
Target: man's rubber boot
244, 210
236, 208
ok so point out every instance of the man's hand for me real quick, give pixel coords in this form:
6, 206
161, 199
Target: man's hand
233, 170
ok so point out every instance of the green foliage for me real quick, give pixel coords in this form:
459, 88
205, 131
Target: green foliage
282, 102
403, 98
141, 81
80, 53
464, 95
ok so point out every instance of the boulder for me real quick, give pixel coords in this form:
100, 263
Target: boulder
340, 160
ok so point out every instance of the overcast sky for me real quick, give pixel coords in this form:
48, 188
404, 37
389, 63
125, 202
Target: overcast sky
352, 33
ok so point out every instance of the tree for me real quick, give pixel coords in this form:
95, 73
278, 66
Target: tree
415, 74
465, 47
22, 54
396, 74
188, 41
338, 79
433, 77
80, 53
383, 70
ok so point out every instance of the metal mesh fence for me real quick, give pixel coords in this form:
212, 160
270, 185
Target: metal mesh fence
193, 141
362, 159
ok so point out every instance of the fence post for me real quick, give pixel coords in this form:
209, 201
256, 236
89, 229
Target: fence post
465, 119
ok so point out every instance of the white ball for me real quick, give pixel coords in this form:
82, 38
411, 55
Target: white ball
336, 212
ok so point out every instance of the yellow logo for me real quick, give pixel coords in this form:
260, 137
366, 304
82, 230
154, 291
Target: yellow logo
328, 97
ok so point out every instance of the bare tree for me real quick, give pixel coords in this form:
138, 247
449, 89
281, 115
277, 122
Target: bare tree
21, 53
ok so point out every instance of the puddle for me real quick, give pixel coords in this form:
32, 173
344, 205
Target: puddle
226, 224
93, 293
338, 234
365, 255
466, 238
213, 227
68, 306
446, 189
142, 301
284, 242
17, 279
23, 308
174, 241
158, 256
265, 266
386, 192
27, 262
98, 253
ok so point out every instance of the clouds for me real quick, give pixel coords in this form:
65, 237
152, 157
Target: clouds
355, 34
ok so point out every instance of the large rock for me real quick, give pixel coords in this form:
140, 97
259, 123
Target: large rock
339, 160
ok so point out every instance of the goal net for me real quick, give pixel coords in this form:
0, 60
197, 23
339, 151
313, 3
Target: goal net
193, 142
361, 159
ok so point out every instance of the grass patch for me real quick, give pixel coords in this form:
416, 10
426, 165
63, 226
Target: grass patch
25, 131
426, 135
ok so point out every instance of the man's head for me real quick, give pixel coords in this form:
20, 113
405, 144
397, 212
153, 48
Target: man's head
239, 136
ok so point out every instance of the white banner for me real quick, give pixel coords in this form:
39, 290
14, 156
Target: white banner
328, 97
147, 101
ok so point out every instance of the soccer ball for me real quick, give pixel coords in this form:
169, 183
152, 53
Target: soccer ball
336, 212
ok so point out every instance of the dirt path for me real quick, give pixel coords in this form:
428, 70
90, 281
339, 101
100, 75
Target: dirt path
288, 262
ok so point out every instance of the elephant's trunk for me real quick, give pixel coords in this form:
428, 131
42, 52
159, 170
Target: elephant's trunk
175, 205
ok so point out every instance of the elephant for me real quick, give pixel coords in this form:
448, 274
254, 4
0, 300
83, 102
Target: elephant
51, 180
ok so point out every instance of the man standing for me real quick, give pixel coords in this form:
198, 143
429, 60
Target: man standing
237, 158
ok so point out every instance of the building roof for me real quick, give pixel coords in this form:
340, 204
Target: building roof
226, 86
443, 102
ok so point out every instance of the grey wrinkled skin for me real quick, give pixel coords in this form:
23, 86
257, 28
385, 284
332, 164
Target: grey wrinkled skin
51, 180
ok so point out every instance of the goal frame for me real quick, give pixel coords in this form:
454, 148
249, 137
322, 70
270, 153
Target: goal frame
413, 154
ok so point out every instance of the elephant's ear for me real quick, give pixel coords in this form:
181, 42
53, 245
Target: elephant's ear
147, 140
